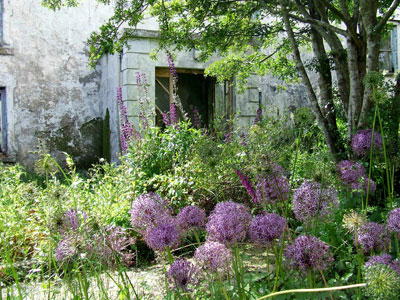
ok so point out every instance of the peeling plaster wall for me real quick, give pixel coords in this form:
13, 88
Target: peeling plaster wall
51, 93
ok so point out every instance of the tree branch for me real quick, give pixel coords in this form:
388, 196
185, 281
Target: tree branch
386, 16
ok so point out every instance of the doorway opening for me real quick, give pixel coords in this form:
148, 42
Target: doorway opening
193, 89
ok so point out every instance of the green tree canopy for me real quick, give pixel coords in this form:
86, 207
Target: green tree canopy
265, 36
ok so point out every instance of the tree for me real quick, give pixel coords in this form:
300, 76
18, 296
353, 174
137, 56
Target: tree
266, 36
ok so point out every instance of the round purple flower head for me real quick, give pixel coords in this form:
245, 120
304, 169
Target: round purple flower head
272, 189
384, 259
310, 201
72, 220
165, 233
112, 243
181, 273
309, 253
393, 221
228, 223
213, 256
372, 237
67, 249
264, 229
191, 217
350, 172
146, 209
362, 184
361, 142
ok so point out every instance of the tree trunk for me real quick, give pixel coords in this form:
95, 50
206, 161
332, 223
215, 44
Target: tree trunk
329, 138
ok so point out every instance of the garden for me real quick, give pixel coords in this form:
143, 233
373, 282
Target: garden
301, 206
224, 214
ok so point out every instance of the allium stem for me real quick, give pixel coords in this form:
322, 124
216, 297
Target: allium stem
396, 240
387, 163
169, 255
326, 284
316, 290
370, 156
222, 287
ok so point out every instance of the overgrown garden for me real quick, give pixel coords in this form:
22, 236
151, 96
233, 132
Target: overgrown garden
312, 196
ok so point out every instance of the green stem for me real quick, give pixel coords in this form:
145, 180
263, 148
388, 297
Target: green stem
316, 290
169, 255
370, 157
396, 240
387, 162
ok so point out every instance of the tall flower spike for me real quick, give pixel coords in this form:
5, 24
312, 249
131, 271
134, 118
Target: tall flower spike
247, 184
171, 66
173, 112
166, 119
196, 117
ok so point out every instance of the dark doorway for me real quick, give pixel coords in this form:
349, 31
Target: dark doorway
193, 89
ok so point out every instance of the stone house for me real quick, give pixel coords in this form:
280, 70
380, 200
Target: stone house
49, 94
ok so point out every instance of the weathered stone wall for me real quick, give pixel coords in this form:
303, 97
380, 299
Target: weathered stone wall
51, 93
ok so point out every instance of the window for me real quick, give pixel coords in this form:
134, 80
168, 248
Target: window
3, 122
388, 52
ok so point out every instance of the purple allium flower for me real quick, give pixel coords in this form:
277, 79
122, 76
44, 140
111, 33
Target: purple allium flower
196, 117
310, 201
173, 113
228, 223
166, 120
67, 249
276, 169
361, 142
393, 221
362, 184
72, 220
146, 209
247, 184
266, 228
258, 116
384, 259
309, 253
191, 217
350, 172
112, 243
274, 188
227, 138
213, 256
372, 237
171, 66
165, 233
181, 273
